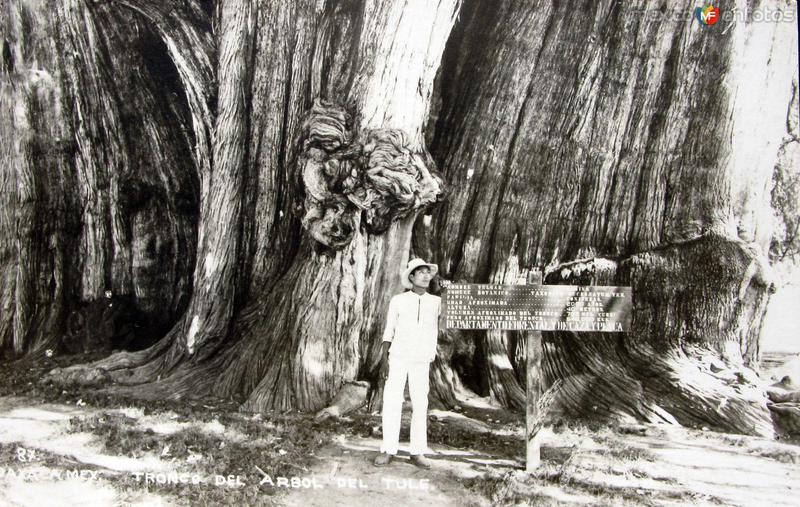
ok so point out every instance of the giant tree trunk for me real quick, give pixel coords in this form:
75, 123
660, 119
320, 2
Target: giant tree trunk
96, 195
276, 316
281, 146
365, 173
601, 148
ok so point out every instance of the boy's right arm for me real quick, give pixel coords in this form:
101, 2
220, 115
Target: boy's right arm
388, 336
385, 359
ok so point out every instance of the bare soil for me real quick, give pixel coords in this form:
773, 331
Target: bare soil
83, 448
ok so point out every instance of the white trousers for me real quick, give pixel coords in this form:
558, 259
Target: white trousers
417, 375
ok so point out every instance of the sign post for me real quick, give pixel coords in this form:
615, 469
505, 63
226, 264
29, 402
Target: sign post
533, 308
533, 368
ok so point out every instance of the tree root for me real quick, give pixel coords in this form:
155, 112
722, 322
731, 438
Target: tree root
352, 396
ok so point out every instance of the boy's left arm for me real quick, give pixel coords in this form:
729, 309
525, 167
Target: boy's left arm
441, 319
439, 327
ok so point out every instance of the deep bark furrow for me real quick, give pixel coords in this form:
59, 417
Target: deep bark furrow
113, 191
186, 30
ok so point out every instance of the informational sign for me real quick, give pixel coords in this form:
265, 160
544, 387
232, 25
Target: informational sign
537, 307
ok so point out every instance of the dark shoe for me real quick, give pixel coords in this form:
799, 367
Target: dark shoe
421, 461
382, 459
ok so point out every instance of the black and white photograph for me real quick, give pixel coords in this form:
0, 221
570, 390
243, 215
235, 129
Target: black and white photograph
401, 253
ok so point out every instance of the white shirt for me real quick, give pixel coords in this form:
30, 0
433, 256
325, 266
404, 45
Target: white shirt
412, 325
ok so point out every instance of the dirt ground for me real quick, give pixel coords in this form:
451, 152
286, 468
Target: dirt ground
78, 454
83, 447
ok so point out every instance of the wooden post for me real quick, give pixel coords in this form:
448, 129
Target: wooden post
533, 366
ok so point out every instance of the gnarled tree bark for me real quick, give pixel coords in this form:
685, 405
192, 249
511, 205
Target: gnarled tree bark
254, 174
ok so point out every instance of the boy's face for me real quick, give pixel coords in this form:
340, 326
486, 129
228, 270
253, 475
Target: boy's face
421, 277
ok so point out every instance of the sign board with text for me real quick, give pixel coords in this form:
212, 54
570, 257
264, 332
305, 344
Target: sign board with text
537, 307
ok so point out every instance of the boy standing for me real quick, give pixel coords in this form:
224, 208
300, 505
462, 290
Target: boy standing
412, 328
